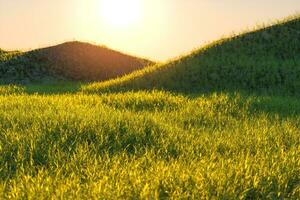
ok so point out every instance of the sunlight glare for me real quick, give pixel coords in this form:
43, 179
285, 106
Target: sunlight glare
121, 13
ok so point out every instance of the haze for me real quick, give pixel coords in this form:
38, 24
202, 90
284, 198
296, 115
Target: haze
160, 30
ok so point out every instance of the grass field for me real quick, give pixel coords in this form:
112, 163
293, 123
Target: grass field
151, 144
220, 123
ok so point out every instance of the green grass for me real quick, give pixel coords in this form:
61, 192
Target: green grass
151, 144
50, 88
266, 60
6, 55
220, 123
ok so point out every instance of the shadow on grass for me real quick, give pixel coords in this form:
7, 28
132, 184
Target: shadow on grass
279, 106
276, 103
51, 88
54, 88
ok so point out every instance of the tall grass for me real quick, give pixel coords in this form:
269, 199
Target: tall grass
77, 142
149, 145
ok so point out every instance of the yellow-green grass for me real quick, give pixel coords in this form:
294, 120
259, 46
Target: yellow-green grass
265, 60
148, 145
76, 141
6, 55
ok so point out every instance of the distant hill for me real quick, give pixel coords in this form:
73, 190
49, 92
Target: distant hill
6, 55
267, 59
68, 61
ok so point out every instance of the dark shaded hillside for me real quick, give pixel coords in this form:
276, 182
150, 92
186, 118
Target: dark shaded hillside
264, 60
83, 61
68, 61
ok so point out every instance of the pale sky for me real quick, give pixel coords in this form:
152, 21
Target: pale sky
156, 29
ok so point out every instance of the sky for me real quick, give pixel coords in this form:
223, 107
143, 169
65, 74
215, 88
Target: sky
155, 29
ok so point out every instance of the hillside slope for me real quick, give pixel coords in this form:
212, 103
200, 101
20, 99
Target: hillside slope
71, 61
6, 55
267, 59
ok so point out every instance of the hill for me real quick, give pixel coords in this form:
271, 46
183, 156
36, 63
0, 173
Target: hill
267, 59
6, 55
68, 61
58, 143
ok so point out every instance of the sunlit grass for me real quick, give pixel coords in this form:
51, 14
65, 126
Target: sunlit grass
166, 133
148, 145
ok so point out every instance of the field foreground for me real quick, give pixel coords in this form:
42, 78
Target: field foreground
148, 145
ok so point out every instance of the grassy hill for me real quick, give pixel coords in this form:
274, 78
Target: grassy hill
6, 55
267, 59
68, 61
60, 143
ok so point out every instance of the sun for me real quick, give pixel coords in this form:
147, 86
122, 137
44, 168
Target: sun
121, 13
